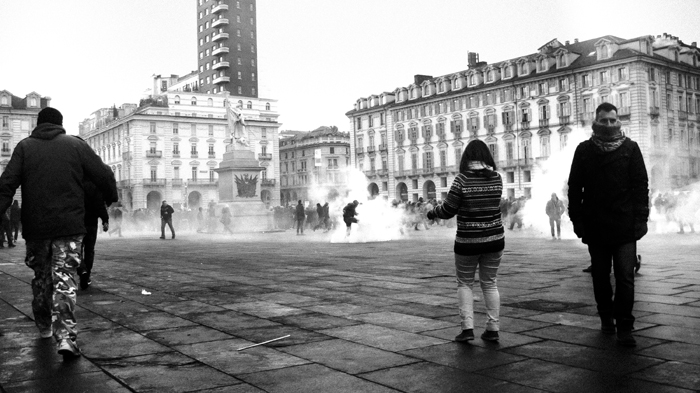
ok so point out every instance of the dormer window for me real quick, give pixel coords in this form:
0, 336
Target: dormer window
457, 83
675, 55
4, 100
523, 69
542, 65
32, 102
472, 80
604, 51
489, 75
507, 71
562, 61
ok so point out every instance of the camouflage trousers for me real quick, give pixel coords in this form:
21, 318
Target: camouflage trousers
54, 262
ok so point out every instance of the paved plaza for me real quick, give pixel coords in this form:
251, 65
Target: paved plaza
372, 317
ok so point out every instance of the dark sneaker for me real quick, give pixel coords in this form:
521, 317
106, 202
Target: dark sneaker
588, 269
607, 327
84, 280
626, 339
490, 335
68, 348
11, 245
638, 265
173, 237
162, 237
466, 335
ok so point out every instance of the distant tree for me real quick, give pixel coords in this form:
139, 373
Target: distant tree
334, 129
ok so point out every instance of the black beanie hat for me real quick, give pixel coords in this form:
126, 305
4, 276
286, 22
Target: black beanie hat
50, 115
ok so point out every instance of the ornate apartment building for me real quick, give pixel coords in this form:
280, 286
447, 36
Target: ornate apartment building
409, 141
18, 116
315, 159
168, 146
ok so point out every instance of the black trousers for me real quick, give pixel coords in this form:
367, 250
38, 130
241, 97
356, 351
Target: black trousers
622, 258
88, 250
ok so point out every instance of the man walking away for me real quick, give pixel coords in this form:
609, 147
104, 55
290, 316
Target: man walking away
15, 218
300, 215
166, 217
94, 208
50, 167
118, 216
6, 229
609, 207
554, 209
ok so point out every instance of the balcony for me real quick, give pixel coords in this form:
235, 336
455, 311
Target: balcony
544, 122
564, 120
154, 182
211, 155
370, 149
222, 79
359, 150
219, 8
382, 172
414, 172
653, 110
220, 50
194, 154
442, 138
221, 64
508, 127
202, 182
124, 184
264, 156
507, 163
428, 171
154, 153
370, 173
176, 154
525, 125
219, 22
176, 182
219, 37
682, 115
526, 161
383, 147
267, 182
126, 156
444, 169
6, 153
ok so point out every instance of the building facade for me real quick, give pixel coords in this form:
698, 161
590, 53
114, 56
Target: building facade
18, 116
313, 163
409, 141
227, 47
168, 146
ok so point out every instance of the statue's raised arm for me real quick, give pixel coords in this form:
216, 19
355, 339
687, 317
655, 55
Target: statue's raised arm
236, 123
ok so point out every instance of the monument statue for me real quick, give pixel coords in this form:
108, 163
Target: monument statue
236, 123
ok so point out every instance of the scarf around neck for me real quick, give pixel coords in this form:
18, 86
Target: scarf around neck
607, 138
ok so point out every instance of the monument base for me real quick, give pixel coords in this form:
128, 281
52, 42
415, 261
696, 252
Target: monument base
239, 188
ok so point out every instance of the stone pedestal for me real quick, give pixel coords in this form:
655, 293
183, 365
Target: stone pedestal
239, 188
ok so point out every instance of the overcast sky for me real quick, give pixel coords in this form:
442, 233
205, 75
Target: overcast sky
315, 56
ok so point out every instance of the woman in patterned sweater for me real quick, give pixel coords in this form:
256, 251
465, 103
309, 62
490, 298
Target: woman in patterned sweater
474, 198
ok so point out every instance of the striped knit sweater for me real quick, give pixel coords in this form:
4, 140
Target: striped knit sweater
474, 198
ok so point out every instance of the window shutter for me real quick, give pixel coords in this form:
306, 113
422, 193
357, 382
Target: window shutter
559, 114
476, 125
452, 126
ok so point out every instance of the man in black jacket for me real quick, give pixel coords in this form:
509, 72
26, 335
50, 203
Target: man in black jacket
50, 167
166, 218
94, 208
609, 208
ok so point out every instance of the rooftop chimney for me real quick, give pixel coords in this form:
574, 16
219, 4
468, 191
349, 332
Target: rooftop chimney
567, 42
418, 79
694, 44
575, 40
472, 58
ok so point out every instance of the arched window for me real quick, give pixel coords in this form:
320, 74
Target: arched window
194, 100
177, 99
240, 104
249, 105
210, 102
267, 106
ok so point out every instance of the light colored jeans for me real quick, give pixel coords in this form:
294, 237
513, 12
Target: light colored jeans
488, 270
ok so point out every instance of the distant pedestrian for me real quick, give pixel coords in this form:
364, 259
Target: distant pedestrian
6, 229
474, 198
300, 216
320, 215
226, 219
166, 218
349, 213
200, 220
94, 208
50, 167
326, 217
117, 219
609, 208
16, 218
554, 209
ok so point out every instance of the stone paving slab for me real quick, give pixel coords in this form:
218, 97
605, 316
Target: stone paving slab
374, 317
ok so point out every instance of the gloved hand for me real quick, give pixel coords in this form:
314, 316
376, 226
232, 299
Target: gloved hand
431, 215
105, 226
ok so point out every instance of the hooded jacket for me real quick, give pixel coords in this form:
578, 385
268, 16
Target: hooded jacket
609, 194
50, 167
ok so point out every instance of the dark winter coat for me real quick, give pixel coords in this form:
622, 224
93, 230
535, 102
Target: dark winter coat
94, 205
166, 212
300, 213
609, 194
50, 167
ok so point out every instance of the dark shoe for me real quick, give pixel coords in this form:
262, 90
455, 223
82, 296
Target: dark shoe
625, 338
638, 265
607, 326
588, 269
173, 236
466, 335
162, 237
68, 348
490, 335
11, 245
84, 280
